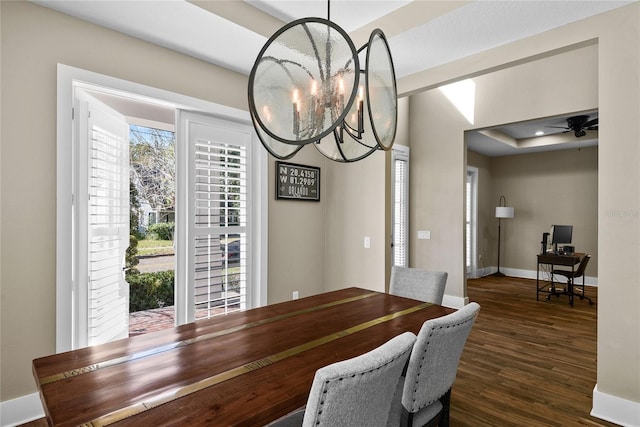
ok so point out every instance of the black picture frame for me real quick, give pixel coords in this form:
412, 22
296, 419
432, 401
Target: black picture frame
297, 182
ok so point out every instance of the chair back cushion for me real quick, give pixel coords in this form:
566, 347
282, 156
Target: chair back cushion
583, 266
434, 360
358, 391
418, 284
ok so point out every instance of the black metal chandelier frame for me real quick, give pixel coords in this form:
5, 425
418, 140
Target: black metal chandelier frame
358, 138
343, 133
252, 76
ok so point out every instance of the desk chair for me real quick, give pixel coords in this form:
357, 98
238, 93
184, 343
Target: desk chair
571, 276
423, 285
354, 392
423, 395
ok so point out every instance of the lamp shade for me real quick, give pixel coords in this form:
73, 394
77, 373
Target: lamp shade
504, 212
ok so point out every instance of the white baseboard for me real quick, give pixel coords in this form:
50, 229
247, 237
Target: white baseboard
529, 274
21, 410
615, 409
485, 271
454, 302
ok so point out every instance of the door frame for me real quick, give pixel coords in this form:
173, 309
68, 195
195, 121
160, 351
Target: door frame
67, 78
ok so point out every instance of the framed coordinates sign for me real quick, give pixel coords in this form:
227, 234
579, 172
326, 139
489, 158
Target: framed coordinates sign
297, 182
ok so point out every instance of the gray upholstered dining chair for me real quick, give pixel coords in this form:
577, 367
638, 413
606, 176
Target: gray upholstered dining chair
357, 391
418, 284
422, 397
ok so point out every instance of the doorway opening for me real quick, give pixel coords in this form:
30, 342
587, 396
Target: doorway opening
199, 197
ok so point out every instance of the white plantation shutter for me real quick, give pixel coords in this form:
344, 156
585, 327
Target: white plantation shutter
400, 206
104, 190
468, 221
218, 213
471, 221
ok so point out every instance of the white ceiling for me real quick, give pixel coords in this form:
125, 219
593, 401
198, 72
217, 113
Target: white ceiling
472, 27
350, 15
421, 34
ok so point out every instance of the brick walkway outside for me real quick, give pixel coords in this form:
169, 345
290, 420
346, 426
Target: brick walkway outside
157, 319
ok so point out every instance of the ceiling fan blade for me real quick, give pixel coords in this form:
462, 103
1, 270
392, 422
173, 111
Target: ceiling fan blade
557, 127
590, 123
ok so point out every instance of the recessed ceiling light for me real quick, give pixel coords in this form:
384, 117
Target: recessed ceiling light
539, 133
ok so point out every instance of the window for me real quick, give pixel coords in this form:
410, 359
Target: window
218, 193
400, 200
222, 237
470, 221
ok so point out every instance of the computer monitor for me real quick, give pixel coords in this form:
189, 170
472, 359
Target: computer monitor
561, 234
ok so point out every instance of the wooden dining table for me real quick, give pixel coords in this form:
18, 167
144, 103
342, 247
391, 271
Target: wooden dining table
242, 369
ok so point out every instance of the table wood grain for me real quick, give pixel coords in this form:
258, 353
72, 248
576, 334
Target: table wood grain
243, 369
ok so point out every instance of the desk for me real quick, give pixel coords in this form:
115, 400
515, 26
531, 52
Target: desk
553, 259
245, 368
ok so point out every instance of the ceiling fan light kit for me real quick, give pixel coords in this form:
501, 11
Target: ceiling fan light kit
307, 87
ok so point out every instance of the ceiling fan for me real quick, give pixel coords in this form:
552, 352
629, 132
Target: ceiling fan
579, 125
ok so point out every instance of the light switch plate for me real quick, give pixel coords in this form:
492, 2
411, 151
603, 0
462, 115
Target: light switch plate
424, 235
367, 242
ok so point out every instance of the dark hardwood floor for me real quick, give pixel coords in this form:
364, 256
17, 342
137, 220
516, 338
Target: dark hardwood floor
526, 363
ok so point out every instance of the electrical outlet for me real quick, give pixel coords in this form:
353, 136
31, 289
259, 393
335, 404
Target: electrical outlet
367, 242
295, 295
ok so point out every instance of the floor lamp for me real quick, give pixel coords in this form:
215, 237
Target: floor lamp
502, 211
